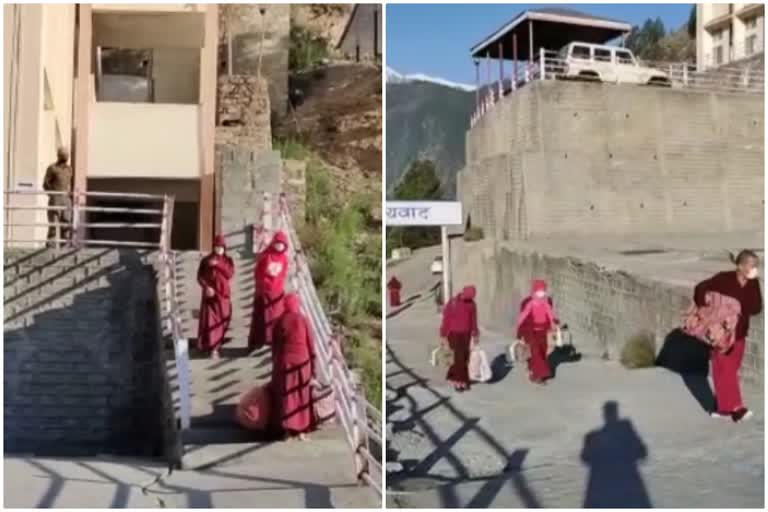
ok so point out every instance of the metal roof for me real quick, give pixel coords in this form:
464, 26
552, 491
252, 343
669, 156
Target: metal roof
553, 28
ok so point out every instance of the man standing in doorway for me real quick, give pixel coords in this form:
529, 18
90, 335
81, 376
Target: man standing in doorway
58, 178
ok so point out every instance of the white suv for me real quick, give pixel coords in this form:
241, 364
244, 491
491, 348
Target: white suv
586, 61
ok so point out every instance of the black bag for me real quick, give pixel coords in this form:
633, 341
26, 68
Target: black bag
684, 354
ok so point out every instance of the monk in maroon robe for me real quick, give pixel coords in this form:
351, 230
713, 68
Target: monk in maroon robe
269, 286
536, 319
293, 368
213, 275
742, 285
459, 328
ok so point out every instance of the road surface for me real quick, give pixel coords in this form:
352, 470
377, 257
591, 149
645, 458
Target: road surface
597, 435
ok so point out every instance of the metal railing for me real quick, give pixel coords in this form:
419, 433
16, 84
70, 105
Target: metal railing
548, 65
360, 420
26, 204
23, 209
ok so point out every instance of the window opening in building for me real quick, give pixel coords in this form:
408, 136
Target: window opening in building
750, 44
718, 55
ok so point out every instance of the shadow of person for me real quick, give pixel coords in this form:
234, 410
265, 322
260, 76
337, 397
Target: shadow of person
688, 357
613, 453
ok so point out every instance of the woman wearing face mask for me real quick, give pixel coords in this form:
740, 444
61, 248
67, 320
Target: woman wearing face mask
269, 275
742, 285
213, 275
536, 319
459, 328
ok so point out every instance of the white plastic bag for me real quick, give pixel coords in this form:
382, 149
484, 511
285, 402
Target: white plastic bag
479, 369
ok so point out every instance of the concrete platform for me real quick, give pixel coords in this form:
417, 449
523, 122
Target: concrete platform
122, 483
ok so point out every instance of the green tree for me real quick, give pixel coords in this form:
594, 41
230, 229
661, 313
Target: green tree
420, 182
692, 23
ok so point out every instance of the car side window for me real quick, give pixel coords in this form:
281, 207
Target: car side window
580, 52
624, 57
602, 55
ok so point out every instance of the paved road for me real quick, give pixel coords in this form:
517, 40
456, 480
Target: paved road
510, 444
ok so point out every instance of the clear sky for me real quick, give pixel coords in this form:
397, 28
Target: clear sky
435, 39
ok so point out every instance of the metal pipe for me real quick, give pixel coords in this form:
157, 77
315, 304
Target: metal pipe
514, 57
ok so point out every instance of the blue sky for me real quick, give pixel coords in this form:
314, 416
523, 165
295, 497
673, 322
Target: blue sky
435, 39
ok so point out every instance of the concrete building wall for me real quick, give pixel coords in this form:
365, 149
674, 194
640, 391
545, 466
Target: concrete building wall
38, 76
132, 140
737, 29
244, 25
581, 159
606, 306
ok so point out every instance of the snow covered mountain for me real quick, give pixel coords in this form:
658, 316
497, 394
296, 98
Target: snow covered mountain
398, 78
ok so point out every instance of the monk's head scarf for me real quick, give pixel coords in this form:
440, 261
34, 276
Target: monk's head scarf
539, 288
219, 244
292, 303
279, 242
468, 293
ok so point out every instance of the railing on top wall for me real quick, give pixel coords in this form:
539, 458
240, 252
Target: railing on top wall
360, 420
548, 65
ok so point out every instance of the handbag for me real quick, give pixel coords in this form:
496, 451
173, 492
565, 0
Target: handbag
441, 355
715, 322
479, 369
519, 351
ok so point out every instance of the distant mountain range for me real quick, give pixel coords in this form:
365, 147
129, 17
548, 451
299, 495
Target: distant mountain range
427, 118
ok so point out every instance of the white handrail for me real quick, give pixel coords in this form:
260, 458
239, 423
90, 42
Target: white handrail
351, 407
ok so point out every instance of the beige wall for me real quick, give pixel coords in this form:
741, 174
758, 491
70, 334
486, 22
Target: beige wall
134, 140
38, 79
150, 7
724, 22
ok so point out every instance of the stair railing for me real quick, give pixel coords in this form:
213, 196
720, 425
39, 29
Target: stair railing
359, 419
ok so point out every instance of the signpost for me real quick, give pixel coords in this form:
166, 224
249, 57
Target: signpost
429, 213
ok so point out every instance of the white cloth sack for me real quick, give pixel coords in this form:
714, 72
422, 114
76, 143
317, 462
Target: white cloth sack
479, 369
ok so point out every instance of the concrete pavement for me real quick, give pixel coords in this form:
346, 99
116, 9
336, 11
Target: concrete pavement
110, 482
597, 435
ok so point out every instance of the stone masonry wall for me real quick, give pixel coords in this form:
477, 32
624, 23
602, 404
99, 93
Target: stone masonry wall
579, 159
243, 113
245, 23
82, 370
608, 307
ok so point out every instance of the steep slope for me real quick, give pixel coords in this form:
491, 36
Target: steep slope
426, 120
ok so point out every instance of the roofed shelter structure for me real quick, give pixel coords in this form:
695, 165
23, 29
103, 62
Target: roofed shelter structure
550, 29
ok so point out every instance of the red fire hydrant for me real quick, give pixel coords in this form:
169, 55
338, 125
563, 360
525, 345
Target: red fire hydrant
394, 286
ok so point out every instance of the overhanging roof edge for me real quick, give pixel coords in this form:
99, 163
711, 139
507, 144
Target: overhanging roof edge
557, 18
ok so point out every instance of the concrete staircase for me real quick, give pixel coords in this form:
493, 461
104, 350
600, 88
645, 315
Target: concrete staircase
82, 364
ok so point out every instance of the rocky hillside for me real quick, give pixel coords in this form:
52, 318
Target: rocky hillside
325, 20
337, 114
426, 121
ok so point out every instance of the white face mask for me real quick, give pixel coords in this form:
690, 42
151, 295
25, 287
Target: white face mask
279, 247
753, 273
218, 250
540, 294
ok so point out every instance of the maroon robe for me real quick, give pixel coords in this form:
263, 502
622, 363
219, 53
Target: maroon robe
459, 325
215, 312
535, 336
725, 366
269, 276
293, 356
